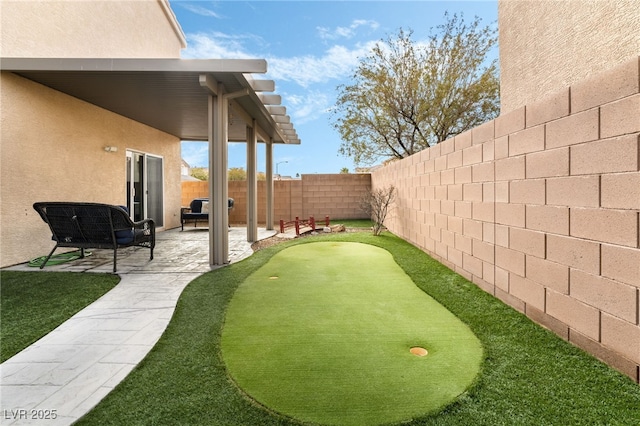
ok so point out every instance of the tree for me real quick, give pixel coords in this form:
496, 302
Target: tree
344, 171
201, 173
236, 173
407, 96
377, 203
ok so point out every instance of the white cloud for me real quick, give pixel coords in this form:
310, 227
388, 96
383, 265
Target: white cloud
216, 45
336, 63
346, 32
196, 154
308, 106
199, 10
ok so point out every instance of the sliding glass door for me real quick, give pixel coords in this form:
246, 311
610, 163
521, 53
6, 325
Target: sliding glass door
145, 187
154, 201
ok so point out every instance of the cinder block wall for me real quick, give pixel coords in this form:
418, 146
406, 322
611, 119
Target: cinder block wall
334, 195
193, 189
318, 195
540, 207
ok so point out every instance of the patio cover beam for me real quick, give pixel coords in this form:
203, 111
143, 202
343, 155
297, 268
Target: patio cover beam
209, 84
270, 99
136, 64
282, 119
262, 85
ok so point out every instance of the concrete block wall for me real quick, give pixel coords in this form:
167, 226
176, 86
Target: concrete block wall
193, 189
335, 195
318, 195
541, 208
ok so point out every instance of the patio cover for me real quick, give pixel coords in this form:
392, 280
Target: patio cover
188, 98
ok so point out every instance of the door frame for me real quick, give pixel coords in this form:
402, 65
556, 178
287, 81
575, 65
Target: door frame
131, 155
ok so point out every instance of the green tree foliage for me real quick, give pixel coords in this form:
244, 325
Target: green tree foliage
236, 173
344, 171
407, 96
201, 173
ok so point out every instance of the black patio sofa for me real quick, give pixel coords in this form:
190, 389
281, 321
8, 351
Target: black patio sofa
94, 225
195, 211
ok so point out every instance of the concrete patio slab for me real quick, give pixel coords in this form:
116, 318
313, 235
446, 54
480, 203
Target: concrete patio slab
65, 374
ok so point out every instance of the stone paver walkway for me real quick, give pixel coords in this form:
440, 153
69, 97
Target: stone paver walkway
66, 373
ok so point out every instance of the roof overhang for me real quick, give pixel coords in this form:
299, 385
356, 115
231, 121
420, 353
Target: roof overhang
170, 95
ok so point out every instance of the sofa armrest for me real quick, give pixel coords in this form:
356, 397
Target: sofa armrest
145, 229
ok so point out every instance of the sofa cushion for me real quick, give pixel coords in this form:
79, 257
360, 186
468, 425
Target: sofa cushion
125, 236
195, 206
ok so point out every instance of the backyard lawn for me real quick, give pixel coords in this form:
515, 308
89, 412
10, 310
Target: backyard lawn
527, 374
34, 303
323, 332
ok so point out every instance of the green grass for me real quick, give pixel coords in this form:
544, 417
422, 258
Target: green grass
34, 303
313, 337
529, 376
353, 223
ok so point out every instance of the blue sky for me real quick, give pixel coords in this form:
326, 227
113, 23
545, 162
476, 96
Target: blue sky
311, 48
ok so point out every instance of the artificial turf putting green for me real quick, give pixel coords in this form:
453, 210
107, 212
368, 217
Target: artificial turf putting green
323, 331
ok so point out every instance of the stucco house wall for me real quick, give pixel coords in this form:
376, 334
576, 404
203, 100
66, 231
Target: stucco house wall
546, 46
89, 29
51, 144
541, 208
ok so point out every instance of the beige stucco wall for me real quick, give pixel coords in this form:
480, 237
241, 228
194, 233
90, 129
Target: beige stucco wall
51, 144
89, 29
546, 46
52, 149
